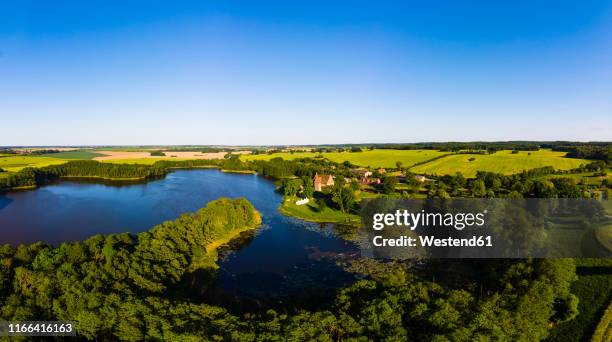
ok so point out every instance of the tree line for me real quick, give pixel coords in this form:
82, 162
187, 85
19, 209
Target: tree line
30, 177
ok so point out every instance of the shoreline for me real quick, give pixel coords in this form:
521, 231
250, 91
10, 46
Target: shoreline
210, 256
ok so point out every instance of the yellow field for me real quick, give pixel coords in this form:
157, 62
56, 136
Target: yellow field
501, 162
146, 161
373, 158
16, 163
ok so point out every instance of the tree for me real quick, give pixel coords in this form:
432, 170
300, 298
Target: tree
291, 187
343, 197
479, 189
389, 184
354, 185
308, 190
399, 165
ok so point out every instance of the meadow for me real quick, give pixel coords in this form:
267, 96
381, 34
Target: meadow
74, 155
441, 163
15, 163
311, 212
504, 162
372, 158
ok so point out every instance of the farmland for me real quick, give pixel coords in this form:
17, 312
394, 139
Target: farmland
504, 162
72, 155
372, 158
440, 163
18, 162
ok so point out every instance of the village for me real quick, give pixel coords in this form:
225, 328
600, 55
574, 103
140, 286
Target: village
370, 183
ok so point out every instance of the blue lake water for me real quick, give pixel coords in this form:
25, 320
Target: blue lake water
285, 256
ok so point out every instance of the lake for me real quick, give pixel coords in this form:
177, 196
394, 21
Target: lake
285, 259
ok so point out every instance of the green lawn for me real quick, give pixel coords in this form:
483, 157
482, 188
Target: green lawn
87, 155
501, 162
16, 163
310, 212
372, 158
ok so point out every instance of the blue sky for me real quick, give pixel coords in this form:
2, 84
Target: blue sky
313, 72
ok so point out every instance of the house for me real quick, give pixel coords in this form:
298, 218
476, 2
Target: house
381, 171
369, 181
322, 181
420, 178
361, 173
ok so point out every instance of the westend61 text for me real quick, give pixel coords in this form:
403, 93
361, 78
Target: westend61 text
432, 241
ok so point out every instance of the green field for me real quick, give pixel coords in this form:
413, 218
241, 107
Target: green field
72, 155
310, 212
372, 158
16, 163
501, 162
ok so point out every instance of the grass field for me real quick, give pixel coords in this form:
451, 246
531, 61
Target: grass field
73, 155
311, 213
372, 158
501, 162
16, 163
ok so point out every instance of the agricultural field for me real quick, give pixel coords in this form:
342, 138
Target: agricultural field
74, 155
145, 161
15, 163
504, 162
372, 158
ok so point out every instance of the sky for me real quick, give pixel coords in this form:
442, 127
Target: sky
303, 72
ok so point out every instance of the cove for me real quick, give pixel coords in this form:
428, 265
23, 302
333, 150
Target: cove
285, 259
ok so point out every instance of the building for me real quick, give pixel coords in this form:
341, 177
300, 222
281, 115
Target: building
361, 173
369, 181
322, 181
420, 178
